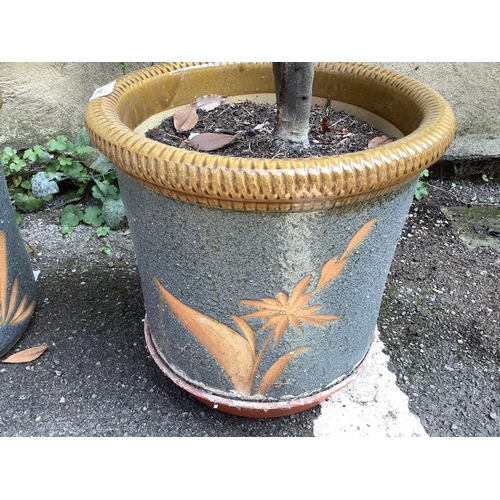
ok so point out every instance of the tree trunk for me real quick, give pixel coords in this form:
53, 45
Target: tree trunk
293, 86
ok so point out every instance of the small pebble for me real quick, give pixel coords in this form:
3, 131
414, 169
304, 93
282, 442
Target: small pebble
62, 400
493, 415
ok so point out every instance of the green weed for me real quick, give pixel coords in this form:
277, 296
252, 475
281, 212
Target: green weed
421, 190
74, 169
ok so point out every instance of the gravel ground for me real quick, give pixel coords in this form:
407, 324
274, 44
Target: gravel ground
440, 318
439, 322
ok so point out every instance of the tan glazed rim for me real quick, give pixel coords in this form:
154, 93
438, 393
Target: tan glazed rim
425, 119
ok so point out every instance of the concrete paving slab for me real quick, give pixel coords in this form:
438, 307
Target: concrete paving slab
371, 406
477, 226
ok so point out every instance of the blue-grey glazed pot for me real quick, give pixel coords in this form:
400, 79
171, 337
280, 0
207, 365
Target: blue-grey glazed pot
17, 285
263, 279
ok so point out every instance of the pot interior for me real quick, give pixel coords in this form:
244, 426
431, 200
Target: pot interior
380, 103
376, 121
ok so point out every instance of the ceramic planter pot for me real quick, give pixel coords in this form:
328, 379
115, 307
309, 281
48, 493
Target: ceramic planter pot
263, 279
17, 284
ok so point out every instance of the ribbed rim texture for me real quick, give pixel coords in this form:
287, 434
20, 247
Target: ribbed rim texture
273, 185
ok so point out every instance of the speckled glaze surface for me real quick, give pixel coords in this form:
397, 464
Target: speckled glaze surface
17, 285
215, 278
262, 279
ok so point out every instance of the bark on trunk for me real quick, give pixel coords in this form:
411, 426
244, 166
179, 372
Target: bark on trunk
293, 86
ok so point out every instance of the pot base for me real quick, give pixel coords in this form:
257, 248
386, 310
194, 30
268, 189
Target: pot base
252, 409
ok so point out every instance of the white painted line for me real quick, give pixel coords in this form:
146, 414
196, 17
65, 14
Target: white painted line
371, 406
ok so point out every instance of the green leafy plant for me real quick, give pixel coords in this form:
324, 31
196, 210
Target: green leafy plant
106, 248
123, 66
17, 172
421, 190
74, 169
485, 178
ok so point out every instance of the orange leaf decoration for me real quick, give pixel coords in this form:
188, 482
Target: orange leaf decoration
278, 367
27, 355
330, 271
247, 331
333, 267
358, 238
231, 350
9, 313
236, 354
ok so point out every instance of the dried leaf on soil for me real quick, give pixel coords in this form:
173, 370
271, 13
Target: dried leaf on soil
186, 118
209, 102
324, 124
27, 355
210, 141
379, 141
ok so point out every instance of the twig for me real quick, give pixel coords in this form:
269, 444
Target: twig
249, 113
225, 108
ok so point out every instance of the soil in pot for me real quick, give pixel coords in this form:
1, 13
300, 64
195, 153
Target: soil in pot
251, 125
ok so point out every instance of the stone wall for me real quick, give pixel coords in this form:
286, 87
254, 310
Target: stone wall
472, 89
43, 100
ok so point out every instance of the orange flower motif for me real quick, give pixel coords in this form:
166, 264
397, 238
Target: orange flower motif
236, 354
283, 310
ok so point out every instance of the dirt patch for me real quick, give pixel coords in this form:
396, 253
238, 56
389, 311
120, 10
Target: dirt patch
440, 317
